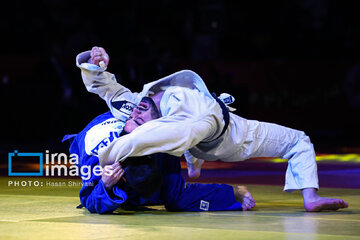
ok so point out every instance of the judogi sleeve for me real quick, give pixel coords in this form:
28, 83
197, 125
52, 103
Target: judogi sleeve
95, 197
93, 194
119, 99
186, 123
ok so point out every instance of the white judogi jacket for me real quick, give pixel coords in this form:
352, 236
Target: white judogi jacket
192, 119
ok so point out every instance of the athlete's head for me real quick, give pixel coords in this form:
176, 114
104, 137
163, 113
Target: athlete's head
143, 113
143, 175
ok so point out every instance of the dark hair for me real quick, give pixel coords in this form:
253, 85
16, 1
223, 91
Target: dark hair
143, 175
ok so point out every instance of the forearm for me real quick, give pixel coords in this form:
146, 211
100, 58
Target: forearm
161, 135
119, 99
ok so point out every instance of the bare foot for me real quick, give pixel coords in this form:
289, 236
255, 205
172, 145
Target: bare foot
194, 169
243, 196
314, 203
322, 203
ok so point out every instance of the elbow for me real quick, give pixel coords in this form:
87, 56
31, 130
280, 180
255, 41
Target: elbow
188, 75
189, 72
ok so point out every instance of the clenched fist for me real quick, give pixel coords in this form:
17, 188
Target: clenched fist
97, 55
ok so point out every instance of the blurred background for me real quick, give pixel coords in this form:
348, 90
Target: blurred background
292, 62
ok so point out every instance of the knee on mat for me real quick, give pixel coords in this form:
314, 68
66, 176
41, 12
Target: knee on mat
305, 139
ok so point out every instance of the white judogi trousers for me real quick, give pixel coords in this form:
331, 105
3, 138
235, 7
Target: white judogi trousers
272, 140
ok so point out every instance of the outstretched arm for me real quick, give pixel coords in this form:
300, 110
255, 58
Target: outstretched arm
119, 99
189, 118
172, 135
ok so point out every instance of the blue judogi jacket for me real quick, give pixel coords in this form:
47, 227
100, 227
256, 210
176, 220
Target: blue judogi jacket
93, 194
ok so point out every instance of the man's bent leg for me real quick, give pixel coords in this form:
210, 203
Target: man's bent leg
204, 197
193, 196
272, 140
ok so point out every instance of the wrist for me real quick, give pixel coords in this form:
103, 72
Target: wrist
109, 191
107, 186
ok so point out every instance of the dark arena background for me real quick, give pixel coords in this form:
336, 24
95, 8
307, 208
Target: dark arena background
292, 62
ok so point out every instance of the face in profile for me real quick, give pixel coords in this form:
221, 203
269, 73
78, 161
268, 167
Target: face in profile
144, 112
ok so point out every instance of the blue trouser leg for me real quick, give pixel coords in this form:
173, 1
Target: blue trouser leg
193, 196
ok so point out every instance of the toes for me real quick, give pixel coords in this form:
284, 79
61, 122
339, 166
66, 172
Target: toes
342, 203
247, 204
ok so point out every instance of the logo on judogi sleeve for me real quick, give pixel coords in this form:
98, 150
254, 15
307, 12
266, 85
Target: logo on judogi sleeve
124, 107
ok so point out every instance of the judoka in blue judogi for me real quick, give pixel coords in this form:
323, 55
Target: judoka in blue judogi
173, 193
